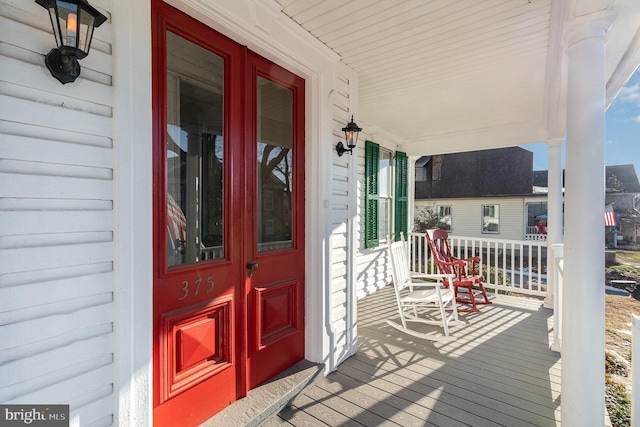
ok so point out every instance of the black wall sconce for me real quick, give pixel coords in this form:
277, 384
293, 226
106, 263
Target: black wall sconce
73, 22
351, 132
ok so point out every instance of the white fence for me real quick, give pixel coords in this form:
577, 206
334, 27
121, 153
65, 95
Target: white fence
533, 234
557, 270
507, 265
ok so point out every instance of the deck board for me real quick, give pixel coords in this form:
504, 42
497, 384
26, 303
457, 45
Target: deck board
498, 371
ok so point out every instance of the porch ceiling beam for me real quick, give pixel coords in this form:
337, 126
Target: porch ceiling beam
468, 140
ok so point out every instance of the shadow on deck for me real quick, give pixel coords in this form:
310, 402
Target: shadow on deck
498, 372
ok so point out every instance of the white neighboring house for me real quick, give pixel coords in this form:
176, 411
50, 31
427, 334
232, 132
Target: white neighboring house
623, 193
503, 217
134, 313
504, 209
486, 194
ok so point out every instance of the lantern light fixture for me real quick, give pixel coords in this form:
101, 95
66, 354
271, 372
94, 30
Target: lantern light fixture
73, 22
351, 132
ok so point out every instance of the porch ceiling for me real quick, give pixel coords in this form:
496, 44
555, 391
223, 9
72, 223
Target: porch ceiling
455, 76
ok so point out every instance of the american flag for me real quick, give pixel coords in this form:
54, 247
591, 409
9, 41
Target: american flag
609, 216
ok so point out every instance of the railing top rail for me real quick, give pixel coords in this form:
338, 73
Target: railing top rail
490, 240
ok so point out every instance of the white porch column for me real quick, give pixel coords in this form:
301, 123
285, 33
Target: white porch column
554, 210
583, 294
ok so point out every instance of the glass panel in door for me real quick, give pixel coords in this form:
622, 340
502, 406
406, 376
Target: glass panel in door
194, 153
275, 165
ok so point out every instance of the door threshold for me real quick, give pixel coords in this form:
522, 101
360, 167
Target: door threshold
267, 400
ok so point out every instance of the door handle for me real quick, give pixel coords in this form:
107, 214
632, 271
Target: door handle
251, 267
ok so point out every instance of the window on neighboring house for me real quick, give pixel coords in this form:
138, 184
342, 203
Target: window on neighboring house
380, 195
490, 218
444, 217
421, 174
536, 212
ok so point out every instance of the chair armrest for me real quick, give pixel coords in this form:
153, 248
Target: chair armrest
474, 260
436, 276
455, 263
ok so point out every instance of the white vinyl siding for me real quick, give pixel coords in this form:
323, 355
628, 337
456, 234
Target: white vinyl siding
342, 230
56, 222
466, 217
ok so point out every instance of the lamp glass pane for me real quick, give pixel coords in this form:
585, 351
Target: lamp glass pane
86, 23
68, 23
55, 23
351, 137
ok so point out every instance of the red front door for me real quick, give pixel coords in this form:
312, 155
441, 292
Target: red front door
275, 241
228, 219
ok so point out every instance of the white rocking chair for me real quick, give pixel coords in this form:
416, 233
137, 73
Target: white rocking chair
416, 297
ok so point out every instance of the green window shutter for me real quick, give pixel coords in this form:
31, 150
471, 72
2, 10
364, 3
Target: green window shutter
371, 166
401, 210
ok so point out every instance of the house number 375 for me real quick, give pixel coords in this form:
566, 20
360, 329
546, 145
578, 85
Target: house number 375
194, 287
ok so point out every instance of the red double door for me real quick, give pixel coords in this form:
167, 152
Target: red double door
228, 218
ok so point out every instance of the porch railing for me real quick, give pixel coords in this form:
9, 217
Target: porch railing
507, 265
533, 234
557, 270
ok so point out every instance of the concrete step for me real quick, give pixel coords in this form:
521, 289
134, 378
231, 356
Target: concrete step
270, 398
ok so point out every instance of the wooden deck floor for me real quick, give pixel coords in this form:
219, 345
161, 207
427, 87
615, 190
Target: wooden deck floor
498, 372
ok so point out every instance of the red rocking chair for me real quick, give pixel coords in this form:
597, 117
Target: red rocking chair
465, 271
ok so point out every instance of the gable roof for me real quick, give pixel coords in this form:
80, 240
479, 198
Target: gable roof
619, 179
622, 179
498, 172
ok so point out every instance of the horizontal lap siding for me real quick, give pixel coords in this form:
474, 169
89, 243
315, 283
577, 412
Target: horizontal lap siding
341, 198
466, 216
374, 270
512, 219
56, 222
